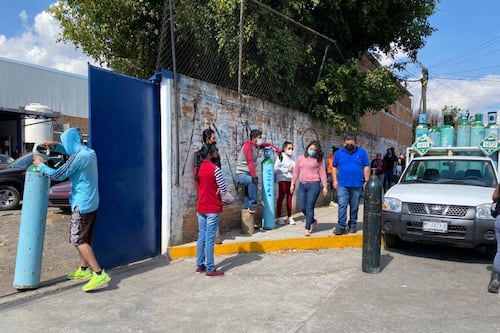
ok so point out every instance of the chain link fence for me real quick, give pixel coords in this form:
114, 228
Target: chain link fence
245, 46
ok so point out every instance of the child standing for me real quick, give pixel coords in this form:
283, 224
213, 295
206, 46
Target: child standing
283, 169
210, 185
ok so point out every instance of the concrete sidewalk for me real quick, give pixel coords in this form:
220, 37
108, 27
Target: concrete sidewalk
283, 237
288, 290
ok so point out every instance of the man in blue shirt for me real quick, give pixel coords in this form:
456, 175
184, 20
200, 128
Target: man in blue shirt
350, 173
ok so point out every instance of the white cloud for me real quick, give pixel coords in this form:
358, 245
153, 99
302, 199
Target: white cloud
478, 96
37, 45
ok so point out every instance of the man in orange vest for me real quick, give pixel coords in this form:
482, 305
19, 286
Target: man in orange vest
333, 194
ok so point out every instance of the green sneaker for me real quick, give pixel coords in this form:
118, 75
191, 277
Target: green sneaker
97, 281
80, 274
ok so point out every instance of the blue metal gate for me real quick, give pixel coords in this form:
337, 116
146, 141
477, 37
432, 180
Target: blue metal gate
125, 133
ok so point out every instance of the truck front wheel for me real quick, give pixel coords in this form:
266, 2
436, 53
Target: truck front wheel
391, 241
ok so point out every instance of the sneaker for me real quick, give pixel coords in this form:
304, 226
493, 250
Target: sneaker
97, 281
214, 273
80, 274
201, 269
339, 231
307, 233
291, 221
331, 204
280, 221
352, 230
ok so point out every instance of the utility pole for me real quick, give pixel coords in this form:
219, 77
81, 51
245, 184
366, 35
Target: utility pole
424, 80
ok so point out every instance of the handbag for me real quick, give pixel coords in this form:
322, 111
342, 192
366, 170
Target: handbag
495, 209
227, 198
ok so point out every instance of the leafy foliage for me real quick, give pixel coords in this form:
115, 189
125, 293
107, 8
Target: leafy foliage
282, 62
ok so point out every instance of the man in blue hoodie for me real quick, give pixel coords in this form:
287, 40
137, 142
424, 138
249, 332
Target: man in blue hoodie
81, 169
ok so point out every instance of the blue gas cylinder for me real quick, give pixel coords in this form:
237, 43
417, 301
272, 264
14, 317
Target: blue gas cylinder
447, 132
463, 130
268, 206
31, 230
422, 128
435, 135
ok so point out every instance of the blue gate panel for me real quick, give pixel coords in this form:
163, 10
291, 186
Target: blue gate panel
125, 133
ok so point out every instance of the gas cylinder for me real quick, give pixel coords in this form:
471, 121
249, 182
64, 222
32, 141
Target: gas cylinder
435, 134
32, 229
492, 127
447, 132
268, 206
422, 128
463, 130
477, 131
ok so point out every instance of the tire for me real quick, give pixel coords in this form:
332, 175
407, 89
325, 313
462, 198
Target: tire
490, 251
391, 241
9, 197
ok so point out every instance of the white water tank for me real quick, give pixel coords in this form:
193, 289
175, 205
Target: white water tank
38, 130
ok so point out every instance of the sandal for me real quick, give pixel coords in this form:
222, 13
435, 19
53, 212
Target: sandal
313, 225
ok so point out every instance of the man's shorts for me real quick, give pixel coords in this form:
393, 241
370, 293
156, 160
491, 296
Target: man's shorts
82, 227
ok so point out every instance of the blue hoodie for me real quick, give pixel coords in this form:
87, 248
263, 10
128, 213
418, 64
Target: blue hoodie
81, 169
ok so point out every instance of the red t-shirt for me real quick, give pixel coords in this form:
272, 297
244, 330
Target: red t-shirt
208, 199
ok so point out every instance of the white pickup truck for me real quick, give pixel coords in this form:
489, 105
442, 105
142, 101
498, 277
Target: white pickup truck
443, 197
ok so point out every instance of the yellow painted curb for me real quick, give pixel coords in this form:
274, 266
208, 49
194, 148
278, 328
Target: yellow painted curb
312, 243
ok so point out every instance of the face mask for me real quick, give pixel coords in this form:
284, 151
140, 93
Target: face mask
259, 142
289, 152
311, 152
349, 148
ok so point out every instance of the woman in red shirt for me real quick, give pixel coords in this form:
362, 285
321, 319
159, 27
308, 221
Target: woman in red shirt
210, 185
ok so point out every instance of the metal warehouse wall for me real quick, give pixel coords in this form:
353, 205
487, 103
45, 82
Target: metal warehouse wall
21, 84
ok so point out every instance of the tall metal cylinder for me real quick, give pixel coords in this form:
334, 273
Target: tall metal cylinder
268, 205
31, 230
372, 216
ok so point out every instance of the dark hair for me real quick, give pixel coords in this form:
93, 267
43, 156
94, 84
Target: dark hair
207, 134
285, 144
205, 150
351, 136
319, 152
255, 133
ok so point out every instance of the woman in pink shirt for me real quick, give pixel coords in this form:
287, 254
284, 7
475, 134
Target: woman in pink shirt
311, 173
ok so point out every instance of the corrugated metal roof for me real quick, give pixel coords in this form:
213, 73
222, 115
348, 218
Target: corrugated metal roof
21, 84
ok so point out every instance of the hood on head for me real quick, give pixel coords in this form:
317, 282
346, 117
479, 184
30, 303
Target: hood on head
71, 139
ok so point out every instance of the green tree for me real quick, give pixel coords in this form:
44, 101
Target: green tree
281, 61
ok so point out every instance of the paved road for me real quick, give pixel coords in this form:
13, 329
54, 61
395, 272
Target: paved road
419, 289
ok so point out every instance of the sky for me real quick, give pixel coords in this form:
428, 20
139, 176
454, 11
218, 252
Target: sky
462, 56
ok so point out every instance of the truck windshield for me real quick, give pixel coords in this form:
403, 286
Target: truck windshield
466, 172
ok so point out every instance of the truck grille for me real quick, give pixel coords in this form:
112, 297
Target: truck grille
438, 210
456, 231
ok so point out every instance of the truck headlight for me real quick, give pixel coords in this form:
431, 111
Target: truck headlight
483, 212
392, 205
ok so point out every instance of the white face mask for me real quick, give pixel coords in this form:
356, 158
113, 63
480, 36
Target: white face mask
289, 152
259, 142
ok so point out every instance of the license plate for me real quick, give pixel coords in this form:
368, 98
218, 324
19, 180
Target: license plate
435, 226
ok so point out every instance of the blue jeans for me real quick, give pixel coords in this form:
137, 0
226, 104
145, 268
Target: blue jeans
250, 190
348, 196
496, 261
308, 194
207, 226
